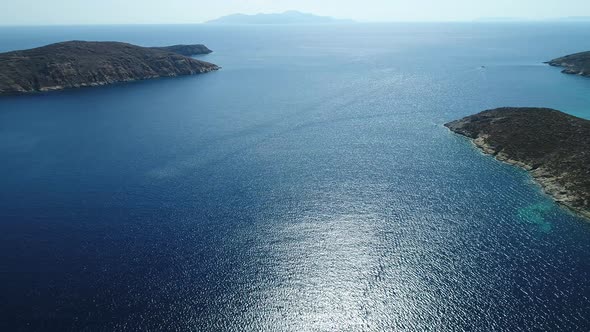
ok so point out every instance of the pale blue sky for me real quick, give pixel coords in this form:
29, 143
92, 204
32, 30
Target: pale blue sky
196, 11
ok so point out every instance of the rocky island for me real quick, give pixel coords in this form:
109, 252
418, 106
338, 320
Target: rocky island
288, 17
575, 64
75, 64
553, 146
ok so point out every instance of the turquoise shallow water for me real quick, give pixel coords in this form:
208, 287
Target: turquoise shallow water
307, 186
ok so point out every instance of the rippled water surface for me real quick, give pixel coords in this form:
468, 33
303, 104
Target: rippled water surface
307, 186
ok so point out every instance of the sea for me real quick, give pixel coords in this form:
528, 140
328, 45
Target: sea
308, 185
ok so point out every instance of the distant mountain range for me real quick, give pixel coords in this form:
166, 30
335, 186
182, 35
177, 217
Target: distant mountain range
288, 17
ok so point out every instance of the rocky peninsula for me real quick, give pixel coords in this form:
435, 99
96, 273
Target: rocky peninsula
553, 146
186, 50
75, 64
575, 64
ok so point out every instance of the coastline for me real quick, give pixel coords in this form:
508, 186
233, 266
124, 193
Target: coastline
569, 69
573, 64
77, 64
548, 182
105, 83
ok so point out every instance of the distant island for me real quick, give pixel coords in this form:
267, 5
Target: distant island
75, 64
575, 64
288, 17
553, 146
506, 19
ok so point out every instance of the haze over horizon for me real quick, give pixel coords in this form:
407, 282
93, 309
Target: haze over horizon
67, 12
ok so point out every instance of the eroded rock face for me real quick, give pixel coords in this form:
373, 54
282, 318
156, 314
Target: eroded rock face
553, 146
575, 64
80, 64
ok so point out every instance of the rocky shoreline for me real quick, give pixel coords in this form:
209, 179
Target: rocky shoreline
546, 180
573, 64
516, 136
77, 64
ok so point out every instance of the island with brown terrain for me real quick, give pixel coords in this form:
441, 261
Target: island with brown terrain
553, 146
575, 64
76, 64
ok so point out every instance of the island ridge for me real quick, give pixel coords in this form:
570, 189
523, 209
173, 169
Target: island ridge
77, 64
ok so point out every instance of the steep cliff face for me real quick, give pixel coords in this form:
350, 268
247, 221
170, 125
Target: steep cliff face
80, 64
553, 146
576, 64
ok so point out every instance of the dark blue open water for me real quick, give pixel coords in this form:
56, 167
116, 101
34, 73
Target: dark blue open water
307, 186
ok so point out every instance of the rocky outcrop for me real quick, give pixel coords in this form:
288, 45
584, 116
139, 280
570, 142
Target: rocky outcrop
77, 64
553, 146
575, 64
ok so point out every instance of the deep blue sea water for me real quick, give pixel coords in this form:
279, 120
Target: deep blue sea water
307, 186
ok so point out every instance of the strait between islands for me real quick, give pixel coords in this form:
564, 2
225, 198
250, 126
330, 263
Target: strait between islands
76, 64
553, 146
